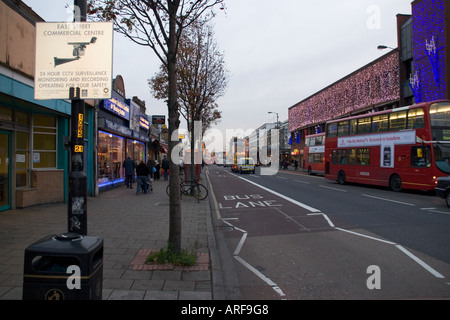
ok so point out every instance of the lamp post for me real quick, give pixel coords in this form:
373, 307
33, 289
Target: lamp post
383, 47
277, 117
277, 127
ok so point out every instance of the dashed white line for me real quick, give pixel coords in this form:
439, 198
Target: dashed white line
394, 201
331, 188
304, 182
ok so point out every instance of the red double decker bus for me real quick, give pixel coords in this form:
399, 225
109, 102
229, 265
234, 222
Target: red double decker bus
314, 154
403, 148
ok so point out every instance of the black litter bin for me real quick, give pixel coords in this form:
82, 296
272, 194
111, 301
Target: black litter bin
64, 267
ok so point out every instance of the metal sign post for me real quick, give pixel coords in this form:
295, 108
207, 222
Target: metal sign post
74, 61
77, 206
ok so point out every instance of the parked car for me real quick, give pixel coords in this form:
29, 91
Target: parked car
246, 165
443, 189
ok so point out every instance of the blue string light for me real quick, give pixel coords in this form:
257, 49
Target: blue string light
429, 50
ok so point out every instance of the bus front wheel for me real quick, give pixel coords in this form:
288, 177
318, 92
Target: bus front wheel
341, 177
396, 183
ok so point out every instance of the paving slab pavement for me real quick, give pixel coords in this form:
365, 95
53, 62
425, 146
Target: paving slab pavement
130, 227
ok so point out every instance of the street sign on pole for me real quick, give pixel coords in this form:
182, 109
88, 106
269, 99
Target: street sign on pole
73, 60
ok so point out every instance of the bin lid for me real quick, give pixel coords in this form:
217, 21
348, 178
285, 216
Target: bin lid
66, 243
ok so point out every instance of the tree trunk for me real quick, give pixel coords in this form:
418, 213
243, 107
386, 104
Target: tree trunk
175, 226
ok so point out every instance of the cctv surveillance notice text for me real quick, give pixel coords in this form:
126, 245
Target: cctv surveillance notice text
75, 56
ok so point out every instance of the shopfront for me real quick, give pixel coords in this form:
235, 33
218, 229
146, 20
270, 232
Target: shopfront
5, 155
33, 161
118, 138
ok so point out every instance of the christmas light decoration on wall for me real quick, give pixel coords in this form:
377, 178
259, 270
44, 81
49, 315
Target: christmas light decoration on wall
433, 55
428, 30
414, 84
372, 85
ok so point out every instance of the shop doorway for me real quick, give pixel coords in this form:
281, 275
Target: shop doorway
5, 174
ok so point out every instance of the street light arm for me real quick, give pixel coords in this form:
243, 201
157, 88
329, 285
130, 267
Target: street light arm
383, 47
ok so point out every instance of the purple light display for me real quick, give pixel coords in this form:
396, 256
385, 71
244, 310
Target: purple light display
373, 85
428, 25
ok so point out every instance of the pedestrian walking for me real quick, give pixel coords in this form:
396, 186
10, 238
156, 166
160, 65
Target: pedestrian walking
165, 167
157, 171
142, 173
150, 166
128, 167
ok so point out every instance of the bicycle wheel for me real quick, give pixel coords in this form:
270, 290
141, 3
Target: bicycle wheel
200, 192
168, 190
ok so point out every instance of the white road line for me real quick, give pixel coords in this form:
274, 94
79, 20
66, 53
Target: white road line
335, 189
423, 264
292, 219
304, 206
272, 284
261, 276
304, 182
213, 195
395, 201
366, 236
436, 211
241, 243
318, 212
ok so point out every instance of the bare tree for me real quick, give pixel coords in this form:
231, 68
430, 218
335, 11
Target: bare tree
202, 79
159, 25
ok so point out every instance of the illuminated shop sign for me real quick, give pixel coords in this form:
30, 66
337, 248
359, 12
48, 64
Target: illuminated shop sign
144, 123
118, 106
158, 119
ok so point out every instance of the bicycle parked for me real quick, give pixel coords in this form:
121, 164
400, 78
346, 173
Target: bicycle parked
191, 188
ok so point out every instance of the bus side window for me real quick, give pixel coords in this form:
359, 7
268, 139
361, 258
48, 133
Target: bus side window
342, 157
334, 159
397, 121
343, 128
332, 130
416, 118
364, 125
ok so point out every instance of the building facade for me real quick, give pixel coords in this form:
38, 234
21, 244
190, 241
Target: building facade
374, 87
34, 134
414, 72
123, 130
33, 159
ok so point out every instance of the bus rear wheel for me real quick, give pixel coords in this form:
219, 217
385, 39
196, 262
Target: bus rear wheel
341, 177
395, 183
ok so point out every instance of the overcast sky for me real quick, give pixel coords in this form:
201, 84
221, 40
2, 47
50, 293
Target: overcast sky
278, 52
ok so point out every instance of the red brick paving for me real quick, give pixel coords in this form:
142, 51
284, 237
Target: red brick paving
138, 263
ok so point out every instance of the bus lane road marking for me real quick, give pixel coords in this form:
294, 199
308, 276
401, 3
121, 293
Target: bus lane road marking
398, 246
314, 211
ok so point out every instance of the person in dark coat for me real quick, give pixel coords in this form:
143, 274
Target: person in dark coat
150, 166
165, 166
157, 170
142, 173
129, 166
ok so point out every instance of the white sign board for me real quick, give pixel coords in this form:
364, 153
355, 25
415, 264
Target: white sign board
392, 138
73, 55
